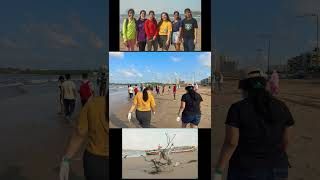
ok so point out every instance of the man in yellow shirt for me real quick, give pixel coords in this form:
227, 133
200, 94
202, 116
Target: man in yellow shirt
165, 29
93, 128
144, 103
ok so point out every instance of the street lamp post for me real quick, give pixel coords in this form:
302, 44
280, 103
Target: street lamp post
267, 37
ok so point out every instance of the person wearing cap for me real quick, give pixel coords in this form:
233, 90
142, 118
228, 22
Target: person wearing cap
257, 133
190, 108
92, 130
189, 31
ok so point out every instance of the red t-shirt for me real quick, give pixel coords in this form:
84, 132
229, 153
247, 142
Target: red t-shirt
174, 88
136, 90
151, 28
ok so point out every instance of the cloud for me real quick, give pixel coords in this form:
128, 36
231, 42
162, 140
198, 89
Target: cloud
130, 73
118, 55
175, 59
205, 59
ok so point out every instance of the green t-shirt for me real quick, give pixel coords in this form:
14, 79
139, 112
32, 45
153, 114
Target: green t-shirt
129, 32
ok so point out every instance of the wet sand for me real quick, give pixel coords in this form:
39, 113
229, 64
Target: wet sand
166, 111
134, 167
33, 138
171, 48
303, 99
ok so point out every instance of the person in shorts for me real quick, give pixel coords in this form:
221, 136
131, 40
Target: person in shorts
176, 31
190, 108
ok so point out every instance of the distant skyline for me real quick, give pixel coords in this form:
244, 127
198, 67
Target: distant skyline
163, 67
237, 25
40, 34
144, 139
159, 5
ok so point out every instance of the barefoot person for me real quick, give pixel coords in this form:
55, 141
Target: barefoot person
174, 90
165, 30
151, 28
257, 133
92, 130
274, 83
141, 33
190, 108
144, 103
189, 31
176, 31
129, 31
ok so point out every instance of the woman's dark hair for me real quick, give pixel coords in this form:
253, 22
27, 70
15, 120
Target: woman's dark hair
142, 11
145, 93
61, 78
131, 10
187, 10
259, 96
192, 93
177, 12
161, 21
151, 12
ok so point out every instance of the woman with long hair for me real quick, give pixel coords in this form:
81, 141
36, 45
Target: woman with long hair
165, 29
176, 30
144, 103
190, 108
151, 29
92, 130
129, 31
141, 33
257, 133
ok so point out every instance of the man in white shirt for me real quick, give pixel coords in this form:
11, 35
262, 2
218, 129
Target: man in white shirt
69, 94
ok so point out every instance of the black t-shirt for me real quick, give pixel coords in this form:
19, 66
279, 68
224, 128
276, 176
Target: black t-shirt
260, 143
188, 26
192, 106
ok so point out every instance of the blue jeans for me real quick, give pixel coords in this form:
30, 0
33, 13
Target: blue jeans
193, 119
188, 44
258, 174
69, 106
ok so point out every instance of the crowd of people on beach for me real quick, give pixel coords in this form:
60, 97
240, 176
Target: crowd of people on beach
144, 104
258, 129
69, 92
150, 33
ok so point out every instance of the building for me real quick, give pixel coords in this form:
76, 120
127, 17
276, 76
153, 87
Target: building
225, 65
305, 62
206, 81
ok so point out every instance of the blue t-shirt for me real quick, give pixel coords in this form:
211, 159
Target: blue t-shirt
176, 25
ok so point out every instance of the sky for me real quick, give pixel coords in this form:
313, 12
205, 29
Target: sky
159, 5
239, 28
55, 34
144, 139
163, 67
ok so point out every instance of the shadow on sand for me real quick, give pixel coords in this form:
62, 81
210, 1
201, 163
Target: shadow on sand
13, 173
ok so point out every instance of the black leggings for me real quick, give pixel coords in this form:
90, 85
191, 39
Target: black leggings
95, 167
142, 45
144, 118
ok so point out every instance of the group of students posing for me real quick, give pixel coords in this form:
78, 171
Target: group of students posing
148, 32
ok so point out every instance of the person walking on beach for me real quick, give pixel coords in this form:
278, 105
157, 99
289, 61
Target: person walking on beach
174, 90
189, 31
130, 90
163, 89
257, 133
86, 89
190, 108
92, 130
144, 103
69, 94
141, 33
158, 90
274, 83
136, 89
165, 29
176, 31
129, 31
196, 87
60, 81
102, 84
151, 29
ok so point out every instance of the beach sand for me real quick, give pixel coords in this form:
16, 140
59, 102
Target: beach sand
197, 48
134, 167
166, 111
34, 137
303, 99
